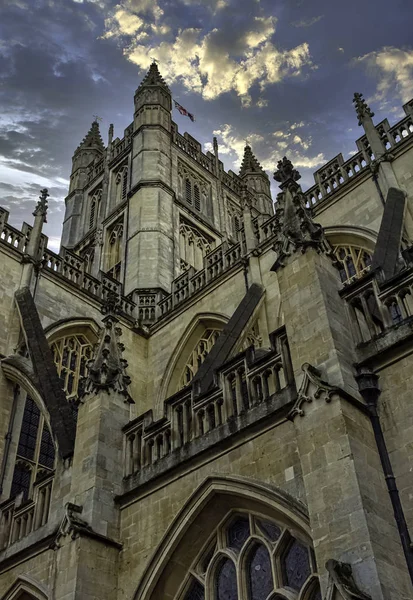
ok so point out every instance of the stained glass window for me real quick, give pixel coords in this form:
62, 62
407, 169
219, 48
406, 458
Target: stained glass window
296, 565
238, 533
260, 575
35, 451
277, 574
226, 582
270, 530
70, 356
195, 592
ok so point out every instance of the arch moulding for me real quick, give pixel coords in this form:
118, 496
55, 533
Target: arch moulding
206, 508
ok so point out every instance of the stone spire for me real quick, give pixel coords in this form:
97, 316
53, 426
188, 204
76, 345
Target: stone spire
153, 77
295, 225
250, 163
92, 139
107, 369
41, 207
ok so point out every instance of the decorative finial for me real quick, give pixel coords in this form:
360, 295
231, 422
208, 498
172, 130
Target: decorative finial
286, 174
247, 142
111, 305
41, 207
107, 369
97, 119
362, 108
154, 60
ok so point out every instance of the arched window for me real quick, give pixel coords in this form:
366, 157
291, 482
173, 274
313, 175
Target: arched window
252, 558
94, 209
35, 452
198, 355
71, 353
354, 262
114, 249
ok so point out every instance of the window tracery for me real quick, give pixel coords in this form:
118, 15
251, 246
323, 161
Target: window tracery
355, 262
70, 355
122, 183
198, 355
114, 251
193, 189
35, 452
194, 246
235, 220
94, 208
253, 559
88, 256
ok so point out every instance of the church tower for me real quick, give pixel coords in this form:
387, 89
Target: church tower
150, 243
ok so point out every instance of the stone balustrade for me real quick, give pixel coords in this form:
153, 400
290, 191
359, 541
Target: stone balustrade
375, 307
19, 520
243, 383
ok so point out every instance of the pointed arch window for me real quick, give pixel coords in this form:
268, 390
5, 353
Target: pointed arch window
198, 355
94, 209
70, 354
354, 262
194, 246
114, 249
253, 559
35, 452
197, 198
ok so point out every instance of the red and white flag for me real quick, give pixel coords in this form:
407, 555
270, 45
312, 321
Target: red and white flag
183, 111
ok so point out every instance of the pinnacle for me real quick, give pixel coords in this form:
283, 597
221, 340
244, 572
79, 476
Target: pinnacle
93, 138
250, 163
153, 77
363, 110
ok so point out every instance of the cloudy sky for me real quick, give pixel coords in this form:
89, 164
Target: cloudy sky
281, 73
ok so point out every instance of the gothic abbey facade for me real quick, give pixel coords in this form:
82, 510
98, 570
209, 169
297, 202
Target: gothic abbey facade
207, 395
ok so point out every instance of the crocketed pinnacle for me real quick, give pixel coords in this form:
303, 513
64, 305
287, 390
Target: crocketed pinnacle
294, 226
153, 77
107, 368
250, 163
41, 207
362, 108
93, 139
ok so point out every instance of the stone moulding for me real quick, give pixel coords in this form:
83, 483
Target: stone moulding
341, 580
312, 387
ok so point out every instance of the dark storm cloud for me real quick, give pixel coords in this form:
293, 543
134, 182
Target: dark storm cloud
59, 66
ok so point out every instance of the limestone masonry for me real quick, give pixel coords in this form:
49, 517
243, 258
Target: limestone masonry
207, 395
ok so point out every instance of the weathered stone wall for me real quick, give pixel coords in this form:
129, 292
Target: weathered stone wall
396, 413
270, 457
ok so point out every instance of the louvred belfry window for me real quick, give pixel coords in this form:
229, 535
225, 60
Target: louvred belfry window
252, 558
70, 356
35, 452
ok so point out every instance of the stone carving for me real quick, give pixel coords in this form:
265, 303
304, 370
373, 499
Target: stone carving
41, 207
362, 108
295, 226
341, 580
99, 237
285, 174
107, 369
250, 163
70, 524
312, 387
